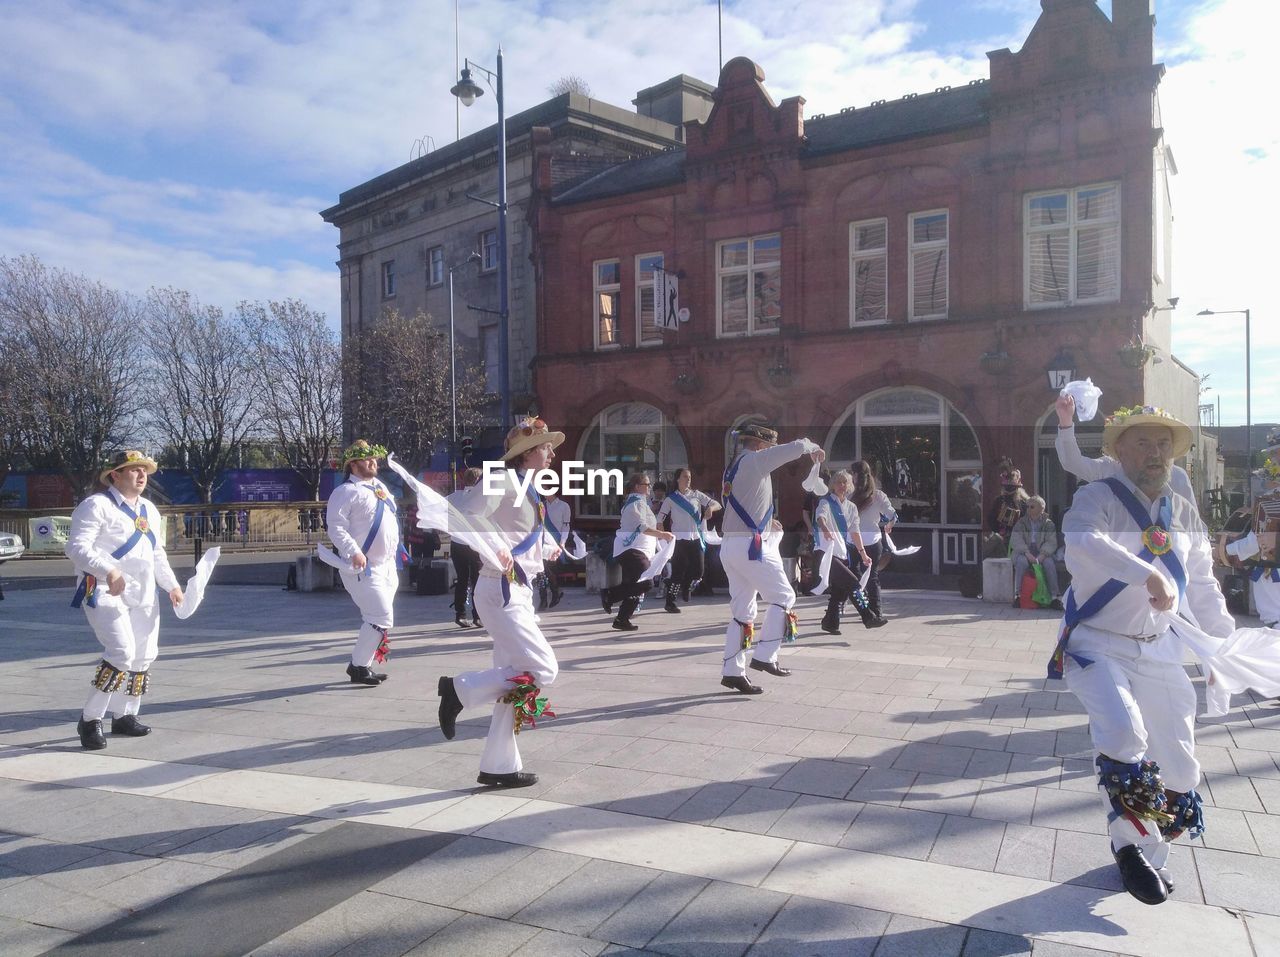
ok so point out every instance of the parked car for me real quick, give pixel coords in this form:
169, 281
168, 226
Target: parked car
10, 546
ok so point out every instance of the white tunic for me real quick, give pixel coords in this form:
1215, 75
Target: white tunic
98, 527
869, 517
636, 517
352, 506
753, 483
504, 523
559, 515
683, 525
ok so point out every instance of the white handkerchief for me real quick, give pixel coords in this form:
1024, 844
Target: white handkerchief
813, 482
193, 594
1246, 547
659, 561
895, 550
1086, 395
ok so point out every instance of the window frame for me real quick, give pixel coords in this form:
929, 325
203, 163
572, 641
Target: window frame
749, 270
1072, 227
597, 289
485, 264
640, 287
912, 248
387, 280
435, 257
855, 256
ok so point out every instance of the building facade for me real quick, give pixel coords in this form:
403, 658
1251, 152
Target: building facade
402, 232
895, 281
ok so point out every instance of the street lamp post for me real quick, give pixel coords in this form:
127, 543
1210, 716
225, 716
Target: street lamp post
467, 91
1248, 396
453, 377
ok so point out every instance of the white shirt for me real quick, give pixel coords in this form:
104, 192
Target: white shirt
869, 517
1103, 542
1091, 470
824, 511
98, 527
683, 525
559, 515
352, 506
504, 523
753, 483
636, 517
1266, 595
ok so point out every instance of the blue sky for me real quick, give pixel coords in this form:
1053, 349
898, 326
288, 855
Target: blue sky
159, 142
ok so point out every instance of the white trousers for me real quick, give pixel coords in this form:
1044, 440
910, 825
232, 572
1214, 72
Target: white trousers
374, 592
1140, 707
518, 646
747, 579
130, 639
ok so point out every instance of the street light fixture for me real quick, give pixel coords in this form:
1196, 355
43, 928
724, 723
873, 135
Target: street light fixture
468, 91
453, 377
1248, 395
1061, 370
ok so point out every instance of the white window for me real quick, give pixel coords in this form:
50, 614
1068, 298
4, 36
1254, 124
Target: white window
489, 250
648, 267
869, 270
435, 266
749, 286
388, 279
606, 297
927, 265
489, 361
1072, 251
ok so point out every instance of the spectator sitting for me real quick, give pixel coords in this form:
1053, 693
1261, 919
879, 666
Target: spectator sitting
1034, 541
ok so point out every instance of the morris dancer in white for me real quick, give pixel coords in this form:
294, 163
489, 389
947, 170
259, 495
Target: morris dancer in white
750, 556
838, 531
363, 527
112, 543
634, 545
688, 511
1136, 550
523, 662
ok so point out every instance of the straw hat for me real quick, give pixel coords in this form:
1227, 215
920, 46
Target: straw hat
1122, 420
126, 459
529, 434
754, 430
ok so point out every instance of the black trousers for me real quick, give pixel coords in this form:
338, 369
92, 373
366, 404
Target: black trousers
873, 580
634, 564
688, 562
466, 570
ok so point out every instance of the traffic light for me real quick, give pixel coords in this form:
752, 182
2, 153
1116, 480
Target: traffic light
468, 446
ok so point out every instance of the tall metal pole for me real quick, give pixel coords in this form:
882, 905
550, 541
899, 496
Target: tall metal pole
503, 305
453, 397
1248, 411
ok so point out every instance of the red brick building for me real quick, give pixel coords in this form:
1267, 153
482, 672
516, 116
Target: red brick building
894, 281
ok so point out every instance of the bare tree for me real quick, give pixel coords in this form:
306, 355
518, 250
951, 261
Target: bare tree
299, 375
402, 366
570, 83
200, 394
72, 348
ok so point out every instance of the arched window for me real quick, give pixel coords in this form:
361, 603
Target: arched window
924, 454
630, 437
1051, 480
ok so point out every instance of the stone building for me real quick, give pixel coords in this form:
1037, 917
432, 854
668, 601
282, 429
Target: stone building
895, 280
401, 232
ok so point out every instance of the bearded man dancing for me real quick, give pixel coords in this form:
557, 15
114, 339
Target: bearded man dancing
363, 527
1138, 556
112, 544
750, 556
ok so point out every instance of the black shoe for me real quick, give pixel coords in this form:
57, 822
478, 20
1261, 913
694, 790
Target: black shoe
129, 726
769, 667
460, 622
1140, 879
555, 598
450, 707
621, 625
475, 622
831, 625
741, 684
605, 603
381, 676
516, 779
1166, 878
362, 676
542, 602
91, 736
671, 607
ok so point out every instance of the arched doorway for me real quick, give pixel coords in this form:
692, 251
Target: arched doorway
630, 437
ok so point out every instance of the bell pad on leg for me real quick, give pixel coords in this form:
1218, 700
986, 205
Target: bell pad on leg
139, 683
748, 633
1136, 791
1187, 810
108, 677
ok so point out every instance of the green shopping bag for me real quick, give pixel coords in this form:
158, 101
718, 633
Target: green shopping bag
1041, 595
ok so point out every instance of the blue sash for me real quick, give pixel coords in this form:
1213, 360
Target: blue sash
633, 497
87, 589
1151, 535
384, 505
682, 503
526, 543
1270, 574
755, 552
